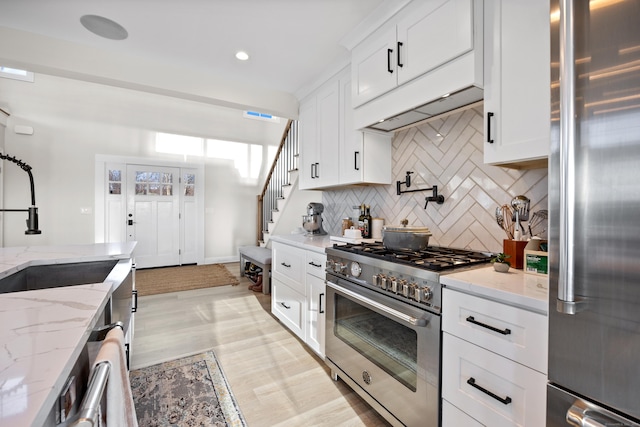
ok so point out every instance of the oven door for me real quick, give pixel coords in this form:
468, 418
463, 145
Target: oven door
387, 351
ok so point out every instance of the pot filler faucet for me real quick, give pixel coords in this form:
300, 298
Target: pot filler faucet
32, 221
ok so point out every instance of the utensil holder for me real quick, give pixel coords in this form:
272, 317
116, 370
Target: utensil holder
515, 250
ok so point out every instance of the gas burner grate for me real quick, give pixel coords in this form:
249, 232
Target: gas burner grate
434, 258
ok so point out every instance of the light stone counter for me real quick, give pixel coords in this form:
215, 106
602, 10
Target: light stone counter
42, 332
514, 287
312, 243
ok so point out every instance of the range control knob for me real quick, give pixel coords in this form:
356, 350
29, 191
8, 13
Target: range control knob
330, 263
398, 285
393, 285
339, 267
409, 291
380, 280
422, 294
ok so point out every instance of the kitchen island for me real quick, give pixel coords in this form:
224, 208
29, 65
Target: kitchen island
43, 331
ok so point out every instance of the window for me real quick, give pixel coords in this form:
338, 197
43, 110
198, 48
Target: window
16, 74
154, 183
115, 181
179, 144
189, 180
247, 158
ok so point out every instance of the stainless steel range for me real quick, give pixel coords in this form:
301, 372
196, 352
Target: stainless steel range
383, 325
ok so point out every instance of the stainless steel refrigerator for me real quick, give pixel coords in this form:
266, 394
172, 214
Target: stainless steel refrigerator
594, 203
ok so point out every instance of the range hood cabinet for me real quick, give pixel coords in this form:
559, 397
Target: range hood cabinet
431, 109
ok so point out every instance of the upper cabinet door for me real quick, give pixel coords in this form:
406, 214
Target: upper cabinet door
373, 66
517, 83
308, 134
328, 167
434, 34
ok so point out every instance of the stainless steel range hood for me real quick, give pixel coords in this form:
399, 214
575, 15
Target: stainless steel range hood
431, 109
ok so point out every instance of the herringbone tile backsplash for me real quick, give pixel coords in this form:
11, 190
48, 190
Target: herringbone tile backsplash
445, 152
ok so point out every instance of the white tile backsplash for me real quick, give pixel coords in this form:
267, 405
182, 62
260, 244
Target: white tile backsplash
446, 152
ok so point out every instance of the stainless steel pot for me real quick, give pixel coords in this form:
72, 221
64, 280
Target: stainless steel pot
405, 237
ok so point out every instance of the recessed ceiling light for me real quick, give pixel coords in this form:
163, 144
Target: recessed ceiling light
104, 27
242, 56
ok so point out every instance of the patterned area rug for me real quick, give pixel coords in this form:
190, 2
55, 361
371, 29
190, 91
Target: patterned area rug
191, 391
153, 281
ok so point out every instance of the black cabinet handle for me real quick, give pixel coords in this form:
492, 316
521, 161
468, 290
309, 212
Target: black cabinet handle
356, 154
313, 264
472, 382
320, 309
285, 305
489, 139
389, 52
285, 265
317, 169
312, 166
505, 331
134, 309
400, 64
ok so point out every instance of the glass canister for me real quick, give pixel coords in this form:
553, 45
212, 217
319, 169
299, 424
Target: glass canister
346, 224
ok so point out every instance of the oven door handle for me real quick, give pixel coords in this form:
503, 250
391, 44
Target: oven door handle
380, 307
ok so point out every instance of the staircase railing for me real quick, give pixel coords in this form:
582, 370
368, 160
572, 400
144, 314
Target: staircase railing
286, 159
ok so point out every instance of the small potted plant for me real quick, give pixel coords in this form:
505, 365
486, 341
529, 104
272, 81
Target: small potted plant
500, 262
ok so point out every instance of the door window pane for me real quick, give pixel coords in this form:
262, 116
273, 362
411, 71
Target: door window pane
189, 184
154, 183
115, 178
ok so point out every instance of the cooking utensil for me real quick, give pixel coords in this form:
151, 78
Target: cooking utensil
405, 237
520, 204
538, 223
504, 219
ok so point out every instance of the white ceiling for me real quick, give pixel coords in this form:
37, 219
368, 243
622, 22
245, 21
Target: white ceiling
292, 43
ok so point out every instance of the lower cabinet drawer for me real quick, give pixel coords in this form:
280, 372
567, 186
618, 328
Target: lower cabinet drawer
288, 261
454, 417
512, 332
288, 306
490, 388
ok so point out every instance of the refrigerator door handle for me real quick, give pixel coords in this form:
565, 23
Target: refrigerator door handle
583, 415
567, 301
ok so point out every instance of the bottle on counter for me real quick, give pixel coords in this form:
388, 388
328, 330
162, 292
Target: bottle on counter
366, 231
361, 220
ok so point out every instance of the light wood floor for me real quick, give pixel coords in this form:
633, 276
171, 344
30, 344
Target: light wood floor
275, 378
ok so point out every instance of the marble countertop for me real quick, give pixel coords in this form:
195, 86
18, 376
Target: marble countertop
42, 334
312, 243
514, 287
43, 331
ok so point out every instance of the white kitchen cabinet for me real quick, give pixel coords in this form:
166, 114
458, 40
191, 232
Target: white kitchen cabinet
298, 292
364, 156
319, 137
492, 389
316, 303
288, 305
331, 152
288, 300
494, 361
455, 417
423, 36
517, 83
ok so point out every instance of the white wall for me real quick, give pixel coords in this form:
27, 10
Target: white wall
74, 121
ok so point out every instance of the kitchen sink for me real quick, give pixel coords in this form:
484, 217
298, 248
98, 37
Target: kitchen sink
57, 275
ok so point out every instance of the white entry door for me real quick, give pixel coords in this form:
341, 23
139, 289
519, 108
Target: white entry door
153, 210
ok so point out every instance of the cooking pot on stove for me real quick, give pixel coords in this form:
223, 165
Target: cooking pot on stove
405, 237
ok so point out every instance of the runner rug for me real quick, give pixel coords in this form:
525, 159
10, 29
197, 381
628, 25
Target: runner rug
162, 280
191, 391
